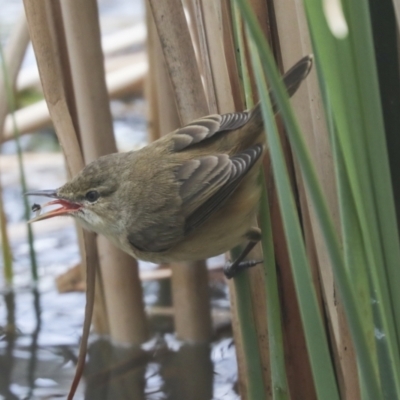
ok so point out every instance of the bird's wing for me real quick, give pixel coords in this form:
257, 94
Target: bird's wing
204, 185
207, 182
207, 127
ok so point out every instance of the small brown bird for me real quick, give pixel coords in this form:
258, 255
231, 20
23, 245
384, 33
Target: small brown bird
192, 194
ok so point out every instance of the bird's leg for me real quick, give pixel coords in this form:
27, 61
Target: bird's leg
233, 268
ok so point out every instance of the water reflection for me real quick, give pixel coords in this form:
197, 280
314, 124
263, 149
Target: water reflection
9, 337
188, 373
34, 344
161, 373
33, 366
115, 373
29, 370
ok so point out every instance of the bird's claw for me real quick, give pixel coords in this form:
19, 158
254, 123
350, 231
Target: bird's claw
232, 269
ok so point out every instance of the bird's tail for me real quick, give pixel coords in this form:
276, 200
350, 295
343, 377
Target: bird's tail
292, 80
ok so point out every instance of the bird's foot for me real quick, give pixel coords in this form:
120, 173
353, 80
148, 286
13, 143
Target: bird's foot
232, 269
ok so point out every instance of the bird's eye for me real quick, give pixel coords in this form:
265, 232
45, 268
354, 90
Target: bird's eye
92, 196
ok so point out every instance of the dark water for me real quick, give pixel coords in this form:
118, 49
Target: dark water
40, 329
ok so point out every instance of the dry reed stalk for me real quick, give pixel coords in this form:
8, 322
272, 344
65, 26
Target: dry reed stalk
168, 115
100, 319
121, 282
85, 239
298, 367
215, 53
180, 59
230, 54
294, 42
153, 123
48, 57
238, 98
221, 85
204, 63
45, 41
189, 280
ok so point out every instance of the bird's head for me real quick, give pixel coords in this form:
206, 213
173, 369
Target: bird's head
92, 197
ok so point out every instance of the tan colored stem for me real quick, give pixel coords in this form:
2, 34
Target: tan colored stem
204, 62
47, 39
123, 295
152, 111
121, 285
180, 58
222, 87
189, 281
191, 302
220, 81
49, 63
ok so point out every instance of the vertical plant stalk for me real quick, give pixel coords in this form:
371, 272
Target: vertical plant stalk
168, 118
254, 280
352, 81
193, 318
5, 244
85, 239
280, 389
294, 42
121, 285
11, 105
12, 60
49, 58
230, 51
13, 56
315, 335
203, 59
309, 175
298, 369
238, 32
150, 92
245, 337
247, 290
180, 59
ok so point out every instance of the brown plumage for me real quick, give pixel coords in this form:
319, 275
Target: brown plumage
190, 195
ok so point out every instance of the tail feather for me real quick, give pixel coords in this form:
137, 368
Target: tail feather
292, 81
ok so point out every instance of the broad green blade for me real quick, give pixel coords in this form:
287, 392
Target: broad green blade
349, 74
280, 389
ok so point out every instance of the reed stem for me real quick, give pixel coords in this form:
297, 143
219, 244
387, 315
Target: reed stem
27, 211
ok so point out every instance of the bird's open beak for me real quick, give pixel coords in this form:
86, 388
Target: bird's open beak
67, 207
